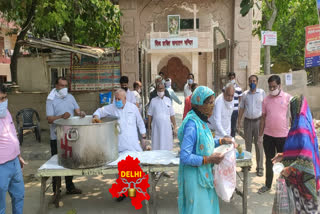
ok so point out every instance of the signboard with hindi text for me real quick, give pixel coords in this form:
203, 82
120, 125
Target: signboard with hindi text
269, 38
312, 48
174, 43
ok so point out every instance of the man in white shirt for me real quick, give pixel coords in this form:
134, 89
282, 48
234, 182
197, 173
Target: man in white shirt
136, 91
129, 118
187, 87
251, 108
161, 114
124, 80
220, 121
173, 95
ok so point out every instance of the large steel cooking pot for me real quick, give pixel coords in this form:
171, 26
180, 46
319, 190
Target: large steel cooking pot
83, 144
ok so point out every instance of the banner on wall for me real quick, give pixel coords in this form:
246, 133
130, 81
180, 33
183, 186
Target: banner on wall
312, 46
96, 74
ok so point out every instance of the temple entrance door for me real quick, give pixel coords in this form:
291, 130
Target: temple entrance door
221, 59
177, 72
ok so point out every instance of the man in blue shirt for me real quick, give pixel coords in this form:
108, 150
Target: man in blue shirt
61, 104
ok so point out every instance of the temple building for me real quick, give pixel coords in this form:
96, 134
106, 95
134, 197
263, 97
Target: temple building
208, 38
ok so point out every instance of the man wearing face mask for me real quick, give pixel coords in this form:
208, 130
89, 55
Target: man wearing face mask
61, 104
187, 87
251, 107
173, 95
130, 97
153, 93
220, 121
236, 100
129, 118
137, 91
161, 114
11, 162
274, 125
130, 121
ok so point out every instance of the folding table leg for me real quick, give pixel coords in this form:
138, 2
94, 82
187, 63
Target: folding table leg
245, 190
43, 204
57, 196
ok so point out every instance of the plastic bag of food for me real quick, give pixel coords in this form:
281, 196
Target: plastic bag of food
225, 175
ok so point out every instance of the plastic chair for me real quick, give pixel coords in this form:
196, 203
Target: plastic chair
28, 122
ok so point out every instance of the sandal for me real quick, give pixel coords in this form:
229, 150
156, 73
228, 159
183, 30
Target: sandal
263, 190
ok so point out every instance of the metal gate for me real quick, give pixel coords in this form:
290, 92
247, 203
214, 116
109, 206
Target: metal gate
144, 75
221, 63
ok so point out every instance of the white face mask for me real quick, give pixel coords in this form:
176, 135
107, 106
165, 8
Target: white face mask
228, 104
160, 94
190, 81
63, 92
275, 92
139, 90
3, 109
233, 81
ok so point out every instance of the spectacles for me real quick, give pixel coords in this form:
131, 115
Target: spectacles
2, 99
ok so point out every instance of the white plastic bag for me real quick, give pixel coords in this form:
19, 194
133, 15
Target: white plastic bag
225, 175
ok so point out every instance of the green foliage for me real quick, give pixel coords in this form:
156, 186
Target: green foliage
87, 22
292, 18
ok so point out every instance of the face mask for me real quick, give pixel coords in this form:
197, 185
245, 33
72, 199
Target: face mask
252, 86
275, 92
206, 109
228, 104
119, 104
139, 90
160, 94
3, 109
190, 81
125, 88
168, 84
63, 92
233, 81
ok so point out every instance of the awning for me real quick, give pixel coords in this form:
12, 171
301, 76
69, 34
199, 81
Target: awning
74, 48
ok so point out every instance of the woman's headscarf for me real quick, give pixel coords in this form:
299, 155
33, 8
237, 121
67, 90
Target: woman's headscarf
197, 102
301, 150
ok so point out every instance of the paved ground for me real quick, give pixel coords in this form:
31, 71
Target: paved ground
97, 200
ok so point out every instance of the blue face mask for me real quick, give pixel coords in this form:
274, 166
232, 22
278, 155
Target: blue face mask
252, 86
3, 109
119, 104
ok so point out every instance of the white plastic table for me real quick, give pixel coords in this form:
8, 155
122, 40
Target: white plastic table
150, 162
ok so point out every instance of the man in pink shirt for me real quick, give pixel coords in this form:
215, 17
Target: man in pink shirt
11, 179
274, 126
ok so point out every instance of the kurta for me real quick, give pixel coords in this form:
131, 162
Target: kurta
220, 120
129, 119
161, 110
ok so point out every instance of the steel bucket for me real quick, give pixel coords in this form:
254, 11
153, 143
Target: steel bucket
83, 144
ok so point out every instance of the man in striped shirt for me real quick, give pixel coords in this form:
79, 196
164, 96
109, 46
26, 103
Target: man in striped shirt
236, 101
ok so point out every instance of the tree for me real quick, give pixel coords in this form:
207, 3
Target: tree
87, 22
289, 19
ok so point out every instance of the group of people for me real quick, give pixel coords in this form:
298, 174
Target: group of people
266, 124
208, 122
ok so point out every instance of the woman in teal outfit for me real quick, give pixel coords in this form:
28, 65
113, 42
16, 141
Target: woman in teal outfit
196, 188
